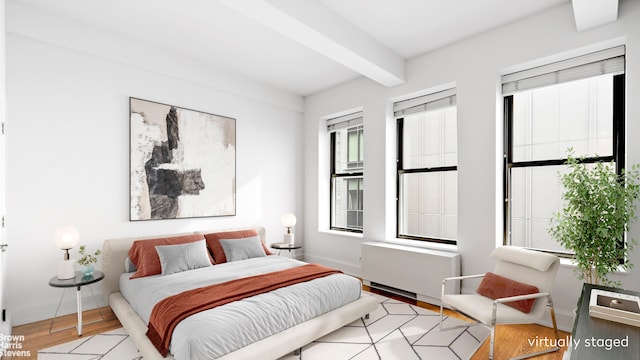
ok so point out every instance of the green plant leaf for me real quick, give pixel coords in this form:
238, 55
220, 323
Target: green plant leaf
598, 207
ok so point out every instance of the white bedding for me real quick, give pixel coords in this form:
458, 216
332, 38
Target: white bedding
213, 333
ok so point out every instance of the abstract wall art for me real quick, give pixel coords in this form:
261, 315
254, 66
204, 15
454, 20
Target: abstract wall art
183, 162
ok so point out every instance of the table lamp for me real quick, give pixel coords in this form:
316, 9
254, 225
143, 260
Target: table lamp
66, 238
288, 221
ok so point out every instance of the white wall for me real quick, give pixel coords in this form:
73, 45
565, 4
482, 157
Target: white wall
473, 65
68, 89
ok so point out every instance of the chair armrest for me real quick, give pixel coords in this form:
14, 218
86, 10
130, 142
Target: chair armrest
459, 278
462, 277
520, 297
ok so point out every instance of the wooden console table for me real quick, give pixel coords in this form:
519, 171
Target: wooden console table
597, 339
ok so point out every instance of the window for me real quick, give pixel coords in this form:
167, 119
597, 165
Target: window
427, 171
578, 104
347, 160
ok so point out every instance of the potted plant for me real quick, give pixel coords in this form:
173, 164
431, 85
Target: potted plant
87, 260
598, 207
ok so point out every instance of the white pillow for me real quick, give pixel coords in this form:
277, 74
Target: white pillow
242, 248
182, 257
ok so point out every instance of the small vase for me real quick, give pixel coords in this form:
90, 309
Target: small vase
87, 270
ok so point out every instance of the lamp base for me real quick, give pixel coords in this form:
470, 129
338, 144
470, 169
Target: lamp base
288, 239
67, 269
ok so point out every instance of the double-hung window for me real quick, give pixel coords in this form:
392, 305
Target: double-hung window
577, 103
427, 170
347, 160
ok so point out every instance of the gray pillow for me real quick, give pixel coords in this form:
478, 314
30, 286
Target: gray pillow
129, 266
182, 257
242, 248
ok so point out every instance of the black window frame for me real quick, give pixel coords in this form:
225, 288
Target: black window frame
400, 170
335, 175
618, 153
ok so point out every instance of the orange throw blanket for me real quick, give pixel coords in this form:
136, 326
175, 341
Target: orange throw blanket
167, 313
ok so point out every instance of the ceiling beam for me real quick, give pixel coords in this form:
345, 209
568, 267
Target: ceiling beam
592, 13
317, 27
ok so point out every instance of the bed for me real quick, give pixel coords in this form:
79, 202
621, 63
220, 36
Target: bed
269, 344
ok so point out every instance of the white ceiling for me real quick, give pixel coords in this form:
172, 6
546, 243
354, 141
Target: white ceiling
301, 46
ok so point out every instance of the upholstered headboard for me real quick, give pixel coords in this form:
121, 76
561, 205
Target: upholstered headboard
115, 251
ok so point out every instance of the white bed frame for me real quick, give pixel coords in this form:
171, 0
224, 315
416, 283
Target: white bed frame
114, 253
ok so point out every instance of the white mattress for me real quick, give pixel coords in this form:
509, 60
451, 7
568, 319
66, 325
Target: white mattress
213, 333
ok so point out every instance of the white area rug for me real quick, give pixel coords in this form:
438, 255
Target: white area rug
395, 331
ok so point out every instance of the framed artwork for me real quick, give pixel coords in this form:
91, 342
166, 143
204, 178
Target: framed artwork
183, 162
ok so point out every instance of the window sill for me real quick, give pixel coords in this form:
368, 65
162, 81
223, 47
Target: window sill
564, 262
569, 263
343, 233
424, 244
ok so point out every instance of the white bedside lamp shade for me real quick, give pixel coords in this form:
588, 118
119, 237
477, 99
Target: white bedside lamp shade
66, 238
288, 221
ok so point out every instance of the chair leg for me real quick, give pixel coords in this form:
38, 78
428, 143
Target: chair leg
552, 312
555, 330
441, 314
493, 336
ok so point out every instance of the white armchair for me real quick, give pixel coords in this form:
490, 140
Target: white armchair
523, 266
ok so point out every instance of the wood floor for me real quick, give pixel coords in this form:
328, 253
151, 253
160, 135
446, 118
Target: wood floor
510, 340
37, 336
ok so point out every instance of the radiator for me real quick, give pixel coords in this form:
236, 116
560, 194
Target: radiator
409, 271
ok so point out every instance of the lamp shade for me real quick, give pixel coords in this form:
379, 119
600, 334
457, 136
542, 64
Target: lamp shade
66, 237
288, 220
